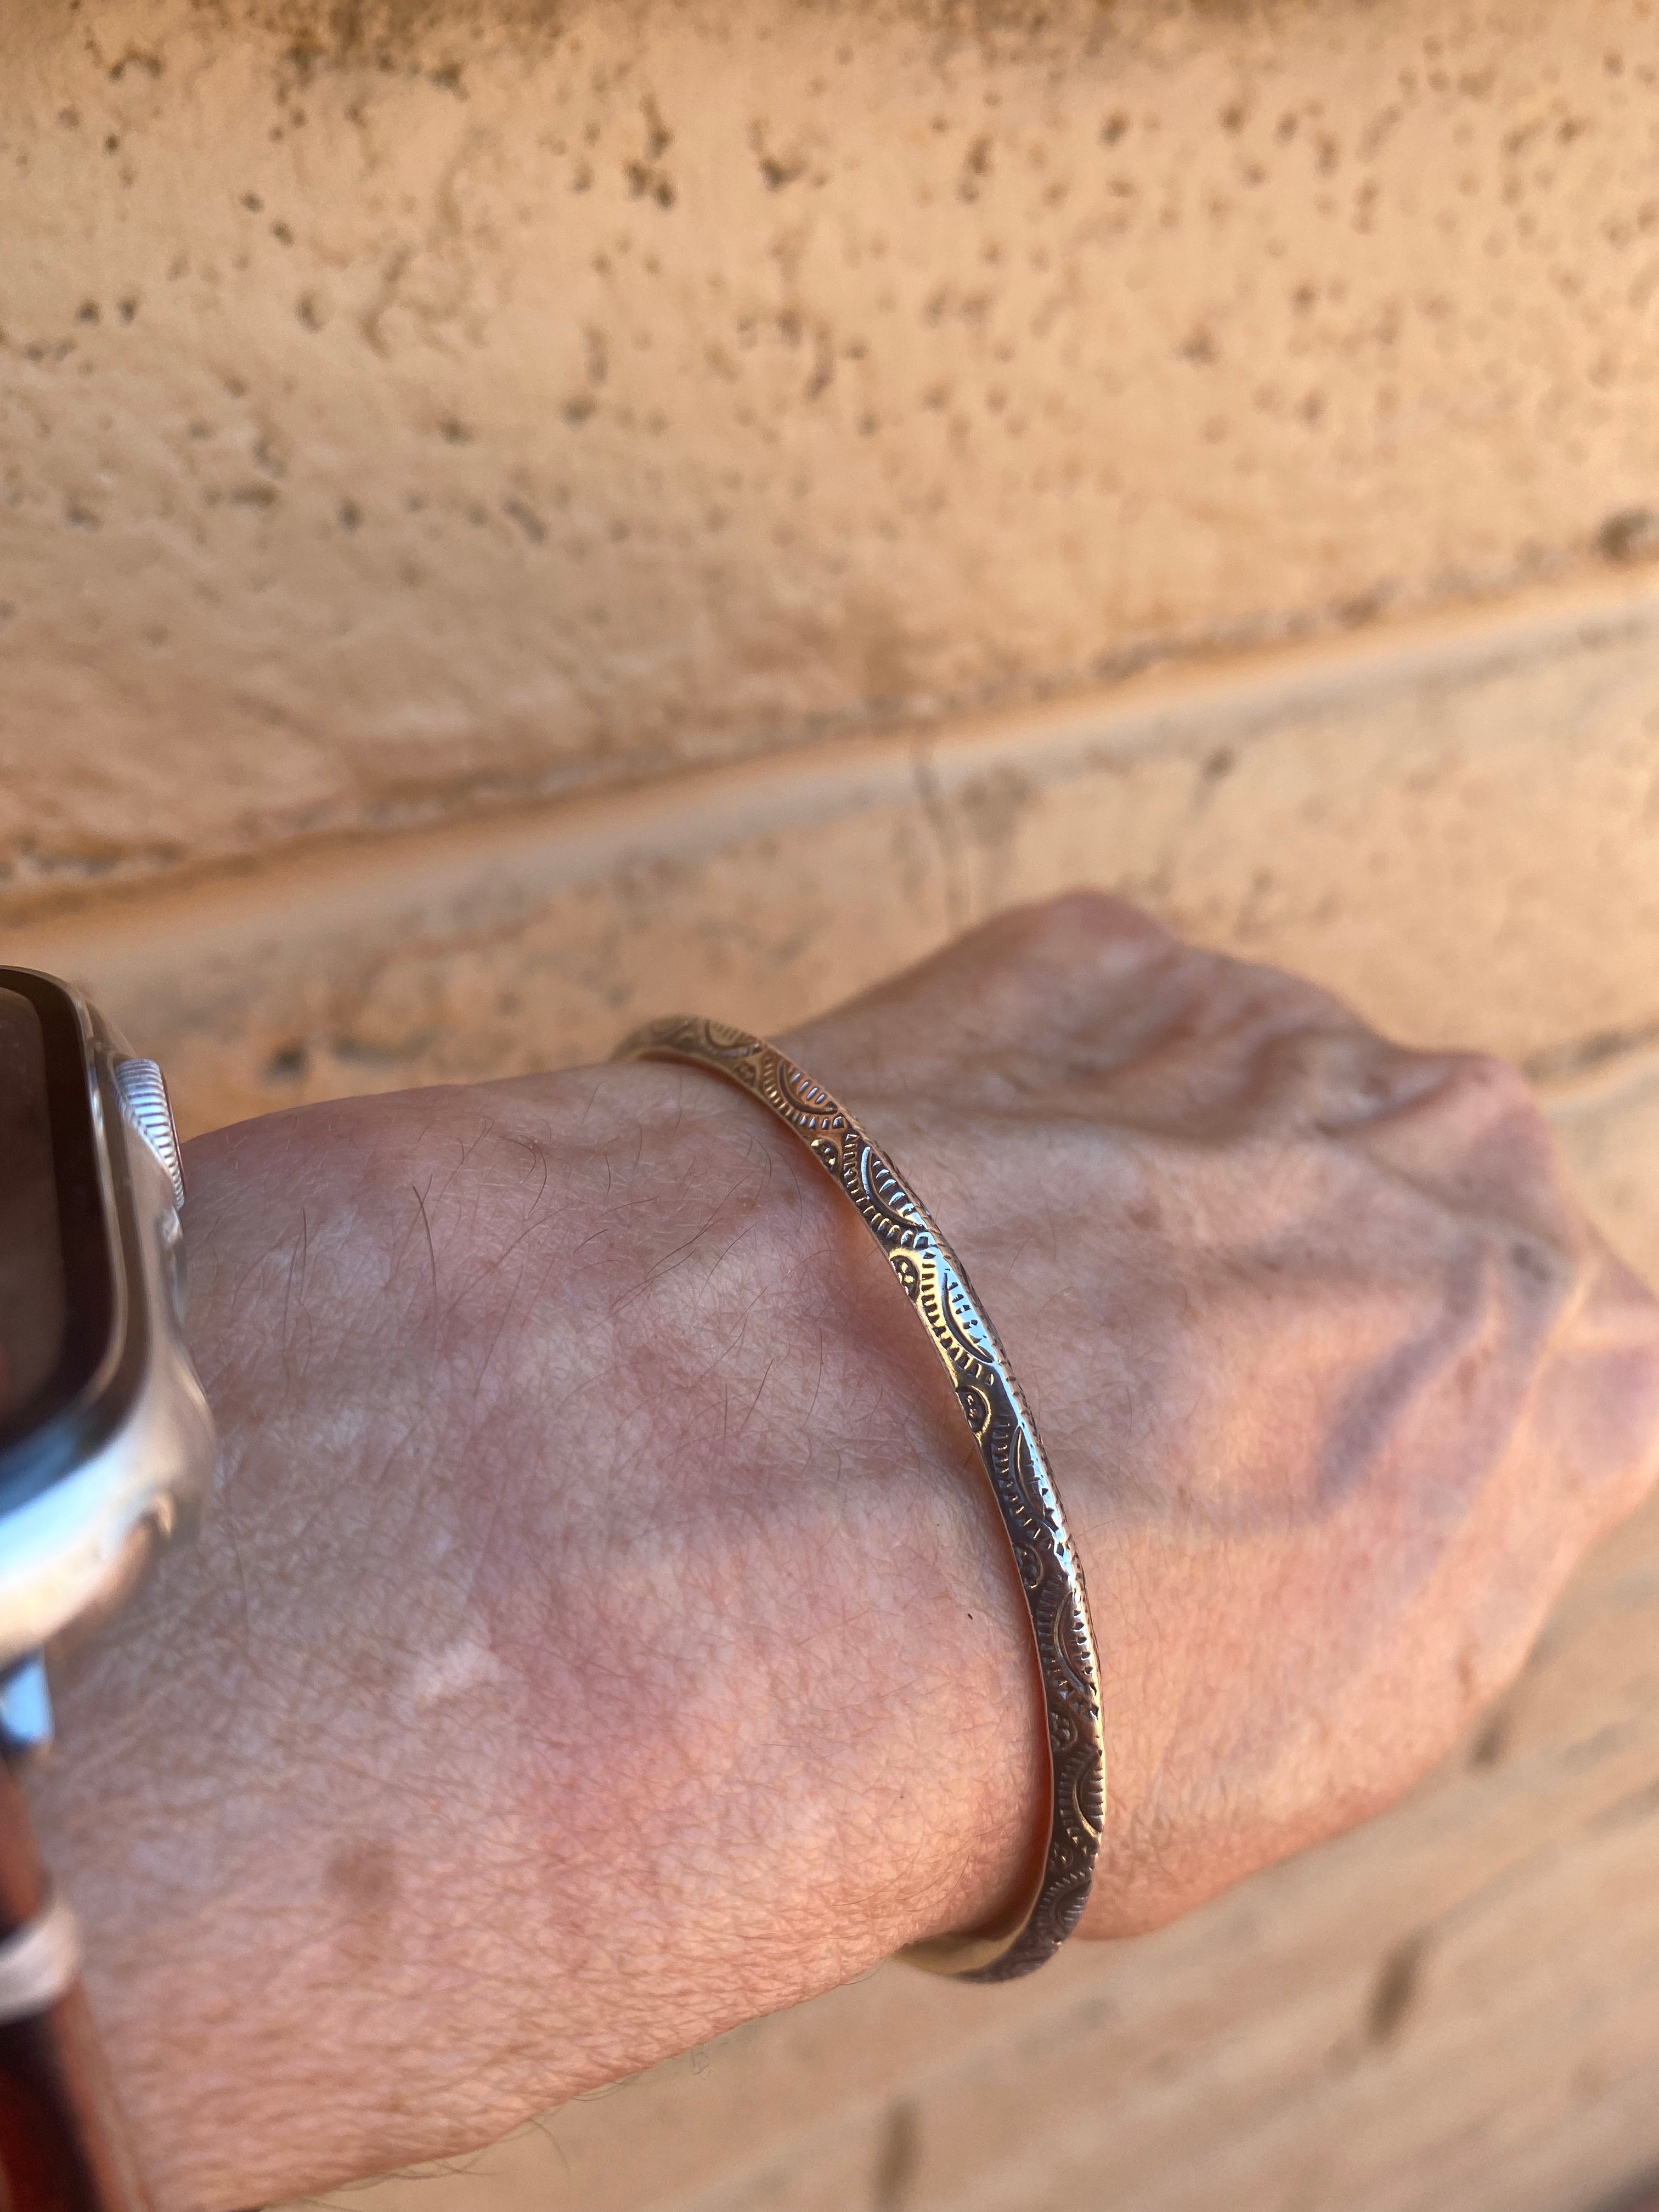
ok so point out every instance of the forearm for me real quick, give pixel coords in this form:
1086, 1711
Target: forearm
600, 1635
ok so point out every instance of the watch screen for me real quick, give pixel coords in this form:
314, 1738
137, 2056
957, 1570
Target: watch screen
34, 1307
59, 1304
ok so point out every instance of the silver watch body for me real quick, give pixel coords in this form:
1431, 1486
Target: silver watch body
125, 1463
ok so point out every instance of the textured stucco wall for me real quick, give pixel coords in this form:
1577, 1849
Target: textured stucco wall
1455, 822
414, 407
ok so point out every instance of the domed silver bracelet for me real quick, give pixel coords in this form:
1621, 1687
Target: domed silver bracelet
1012, 1452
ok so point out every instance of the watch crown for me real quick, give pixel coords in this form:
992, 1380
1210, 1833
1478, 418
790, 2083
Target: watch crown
145, 1105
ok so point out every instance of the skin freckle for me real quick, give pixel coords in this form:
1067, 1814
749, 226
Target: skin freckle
363, 1876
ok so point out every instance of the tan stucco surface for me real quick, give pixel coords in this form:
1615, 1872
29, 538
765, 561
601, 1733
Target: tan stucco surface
413, 408
1455, 822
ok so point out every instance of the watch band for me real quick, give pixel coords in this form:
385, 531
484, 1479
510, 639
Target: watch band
1015, 1467
63, 2148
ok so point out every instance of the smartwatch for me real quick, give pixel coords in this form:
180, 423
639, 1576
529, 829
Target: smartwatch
106, 1453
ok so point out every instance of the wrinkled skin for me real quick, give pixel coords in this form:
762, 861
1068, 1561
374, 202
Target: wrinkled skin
603, 1632
1339, 1382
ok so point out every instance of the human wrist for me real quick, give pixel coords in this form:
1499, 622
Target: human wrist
600, 1590
1010, 1452
798, 1401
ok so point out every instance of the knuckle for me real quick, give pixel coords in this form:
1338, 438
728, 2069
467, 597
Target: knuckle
1258, 1001
1480, 1117
1493, 1090
1271, 1009
1083, 919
